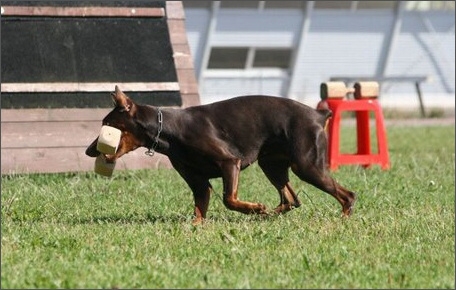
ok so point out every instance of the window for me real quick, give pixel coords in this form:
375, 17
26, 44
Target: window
245, 58
272, 58
284, 4
375, 4
333, 4
228, 58
239, 4
354, 5
197, 4
263, 4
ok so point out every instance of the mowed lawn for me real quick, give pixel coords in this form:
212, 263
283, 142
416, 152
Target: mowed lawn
81, 230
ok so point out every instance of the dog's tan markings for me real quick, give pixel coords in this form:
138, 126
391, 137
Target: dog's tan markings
130, 142
127, 144
201, 205
326, 125
288, 200
230, 176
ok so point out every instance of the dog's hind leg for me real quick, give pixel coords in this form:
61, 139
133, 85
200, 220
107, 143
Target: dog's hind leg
230, 175
323, 181
309, 164
276, 170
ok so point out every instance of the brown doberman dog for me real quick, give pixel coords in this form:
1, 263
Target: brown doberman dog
223, 138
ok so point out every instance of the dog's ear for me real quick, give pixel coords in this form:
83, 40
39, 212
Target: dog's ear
121, 100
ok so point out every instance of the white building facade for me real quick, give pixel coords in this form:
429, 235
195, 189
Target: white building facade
288, 48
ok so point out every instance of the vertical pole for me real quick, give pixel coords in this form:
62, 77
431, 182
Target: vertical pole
207, 42
295, 79
420, 98
390, 40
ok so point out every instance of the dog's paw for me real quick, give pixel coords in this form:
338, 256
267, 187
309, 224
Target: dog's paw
260, 208
284, 208
348, 208
197, 221
346, 212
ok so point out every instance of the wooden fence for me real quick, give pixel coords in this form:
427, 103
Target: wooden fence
51, 140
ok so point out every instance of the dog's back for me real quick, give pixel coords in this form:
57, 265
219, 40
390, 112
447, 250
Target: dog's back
247, 126
270, 112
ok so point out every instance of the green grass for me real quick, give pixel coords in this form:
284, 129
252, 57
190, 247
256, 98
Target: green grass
134, 230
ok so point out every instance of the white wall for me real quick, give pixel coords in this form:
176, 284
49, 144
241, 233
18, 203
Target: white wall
337, 43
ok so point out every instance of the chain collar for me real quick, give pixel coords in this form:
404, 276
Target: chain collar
151, 150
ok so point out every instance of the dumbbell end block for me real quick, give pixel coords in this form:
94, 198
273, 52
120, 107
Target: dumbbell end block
333, 90
366, 90
102, 167
108, 140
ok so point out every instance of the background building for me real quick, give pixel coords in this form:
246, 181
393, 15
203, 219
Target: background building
288, 48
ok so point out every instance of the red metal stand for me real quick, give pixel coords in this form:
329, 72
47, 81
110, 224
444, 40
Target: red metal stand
363, 156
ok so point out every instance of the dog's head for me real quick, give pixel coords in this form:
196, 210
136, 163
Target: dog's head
123, 118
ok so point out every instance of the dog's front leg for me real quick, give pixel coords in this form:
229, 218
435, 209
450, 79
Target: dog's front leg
201, 197
230, 174
201, 189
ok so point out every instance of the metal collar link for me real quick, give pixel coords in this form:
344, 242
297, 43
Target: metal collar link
151, 151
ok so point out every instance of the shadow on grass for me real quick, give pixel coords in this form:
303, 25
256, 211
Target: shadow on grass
125, 219
132, 218
106, 219
172, 218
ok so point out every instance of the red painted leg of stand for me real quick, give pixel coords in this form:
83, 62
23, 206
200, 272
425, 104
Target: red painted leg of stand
334, 140
363, 134
382, 139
